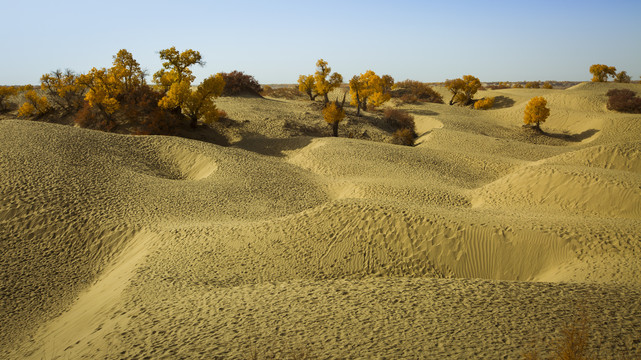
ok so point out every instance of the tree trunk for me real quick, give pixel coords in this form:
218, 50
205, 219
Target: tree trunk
194, 122
364, 105
325, 99
335, 129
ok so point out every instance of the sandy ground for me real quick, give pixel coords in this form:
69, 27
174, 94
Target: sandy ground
483, 241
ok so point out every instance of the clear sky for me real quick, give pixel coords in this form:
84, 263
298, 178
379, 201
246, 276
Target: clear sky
275, 41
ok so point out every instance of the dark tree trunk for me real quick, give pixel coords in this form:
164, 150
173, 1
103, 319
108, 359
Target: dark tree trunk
325, 99
335, 129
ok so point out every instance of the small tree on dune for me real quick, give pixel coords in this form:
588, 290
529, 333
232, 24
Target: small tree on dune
622, 77
463, 90
325, 81
601, 72
307, 85
334, 114
536, 112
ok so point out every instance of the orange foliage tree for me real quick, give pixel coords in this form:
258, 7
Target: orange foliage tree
536, 112
334, 114
463, 89
601, 72
307, 85
622, 77
63, 89
325, 81
35, 105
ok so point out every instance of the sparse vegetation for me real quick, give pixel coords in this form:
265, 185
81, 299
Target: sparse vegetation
237, 83
536, 112
285, 92
533, 85
35, 105
624, 100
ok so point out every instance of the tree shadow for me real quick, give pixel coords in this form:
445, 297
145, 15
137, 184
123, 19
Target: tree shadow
422, 112
503, 102
573, 137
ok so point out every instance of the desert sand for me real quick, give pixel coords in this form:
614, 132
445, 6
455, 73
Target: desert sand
482, 241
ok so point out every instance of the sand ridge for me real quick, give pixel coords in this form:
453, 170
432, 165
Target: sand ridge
478, 242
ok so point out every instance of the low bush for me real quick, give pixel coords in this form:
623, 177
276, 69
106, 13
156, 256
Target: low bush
624, 100
403, 137
287, 92
237, 83
418, 90
533, 85
484, 104
399, 119
5, 93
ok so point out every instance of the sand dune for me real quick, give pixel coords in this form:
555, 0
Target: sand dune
480, 242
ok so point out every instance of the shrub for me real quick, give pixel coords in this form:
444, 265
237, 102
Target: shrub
35, 105
484, 104
517, 86
409, 90
403, 137
399, 119
287, 92
5, 93
533, 85
624, 100
237, 83
88, 117
536, 112
548, 85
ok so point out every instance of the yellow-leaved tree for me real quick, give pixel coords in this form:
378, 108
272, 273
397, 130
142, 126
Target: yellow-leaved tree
355, 89
5, 93
463, 89
63, 89
601, 72
536, 112
307, 85
35, 105
175, 79
334, 114
325, 81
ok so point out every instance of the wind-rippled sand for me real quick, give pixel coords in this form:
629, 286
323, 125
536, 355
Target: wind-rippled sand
483, 241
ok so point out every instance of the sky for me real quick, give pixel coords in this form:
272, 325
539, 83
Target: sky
276, 41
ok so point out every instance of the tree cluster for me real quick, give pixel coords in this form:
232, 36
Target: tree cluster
321, 83
109, 98
370, 89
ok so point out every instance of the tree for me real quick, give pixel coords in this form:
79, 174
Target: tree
5, 93
103, 91
35, 105
307, 85
323, 84
127, 73
355, 89
63, 89
548, 85
463, 90
334, 114
601, 72
176, 67
200, 103
536, 112
622, 77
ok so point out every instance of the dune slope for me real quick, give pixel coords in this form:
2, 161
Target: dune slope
481, 241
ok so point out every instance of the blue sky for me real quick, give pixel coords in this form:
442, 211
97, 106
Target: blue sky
275, 41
